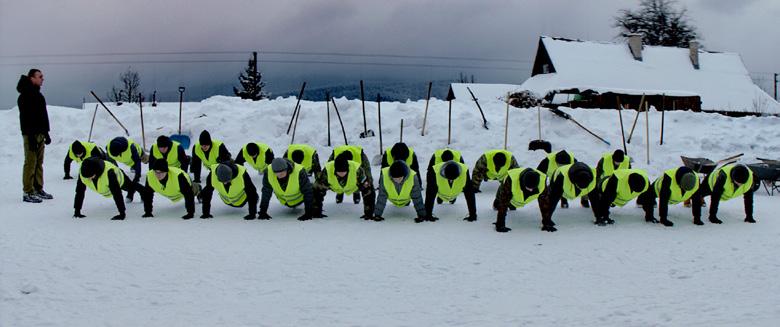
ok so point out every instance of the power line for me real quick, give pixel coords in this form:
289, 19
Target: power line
324, 62
295, 53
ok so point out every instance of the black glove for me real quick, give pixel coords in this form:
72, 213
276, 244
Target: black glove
502, 229
263, 216
432, 218
46, 139
477, 191
304, 216
249, 216
319, 215
666, 222
366, 217
189, 215
67, 177
32, 144
549, 228
378, 218
471, 218
697, 221
651, 220
77, 214
419, 219
715, 220
206, 216
120, 216
750, 220
147, 215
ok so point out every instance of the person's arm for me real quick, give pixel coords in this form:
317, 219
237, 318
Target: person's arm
748, 198
381, 199
136, 157
195, 165
366, 164
189, 195
308, 194
430, 191
266, 191
251, 194
224, 154
513, 164
543, 166
321, 181
503, 197
608, 196
148, 198
478, 175
315, 164
116, 192
717, 192
78, 200
599, 169
417, 198
269, 156
553, 197
184, 160
240, 157
385, 164
66, 165
415, 165
471, 203
663, 197
205, 197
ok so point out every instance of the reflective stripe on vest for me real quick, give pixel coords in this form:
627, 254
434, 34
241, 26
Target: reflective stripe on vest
447, 192
171, 188
608, 165
101, 185
402, 198
492, 174
126, 157
518, 197
292, 196
259, 162
408, 160
456, 155
676, 195
729, 192
213, 153
357, 152
308, 154
552, 165
172, 157
88, 147
351, 185
570, 191
237, 194
624, 193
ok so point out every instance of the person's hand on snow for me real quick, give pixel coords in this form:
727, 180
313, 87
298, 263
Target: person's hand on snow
147, 215
419, 219
749, 219
263, 216
67, 177
715, 220
471, 218
120, 216
304, 216
549, 228
432, 218
189, 215
378, 218
77, 214
46, 139
502, 229
206, 216
249, 216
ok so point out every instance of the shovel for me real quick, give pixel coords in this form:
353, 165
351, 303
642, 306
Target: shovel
182, 139
539, 144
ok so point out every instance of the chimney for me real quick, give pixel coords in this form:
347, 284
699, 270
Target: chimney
693, 46
635, 45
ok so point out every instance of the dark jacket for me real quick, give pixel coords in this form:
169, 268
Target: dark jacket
33, 118
303, 182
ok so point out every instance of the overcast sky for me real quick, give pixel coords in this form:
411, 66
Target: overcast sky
453, 28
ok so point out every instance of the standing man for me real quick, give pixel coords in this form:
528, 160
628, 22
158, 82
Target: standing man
34, 122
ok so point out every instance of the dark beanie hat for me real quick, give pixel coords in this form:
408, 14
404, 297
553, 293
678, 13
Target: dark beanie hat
279, 165
398, 169
297, 156
117, 146
341, 164
562, 158
347, 155
686, 178
77, 148
451, 170
205, 138
530, 179
636, 182
618, 156
164, 142
224, 172
160, 165
499, 160
580, 174
400, 151
252, 149
92, 167
447, 155
740, 174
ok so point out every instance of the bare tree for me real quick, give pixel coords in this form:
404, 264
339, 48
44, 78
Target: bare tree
131, 85
659, 22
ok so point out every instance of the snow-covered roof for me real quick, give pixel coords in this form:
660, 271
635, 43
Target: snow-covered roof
722, 81
483, 92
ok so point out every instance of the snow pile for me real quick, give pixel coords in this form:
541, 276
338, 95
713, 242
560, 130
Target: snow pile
722, 81
342, 270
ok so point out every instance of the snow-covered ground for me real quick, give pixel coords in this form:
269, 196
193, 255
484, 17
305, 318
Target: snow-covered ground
342, 270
